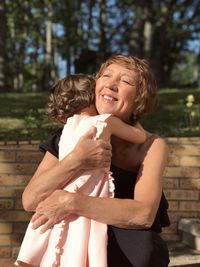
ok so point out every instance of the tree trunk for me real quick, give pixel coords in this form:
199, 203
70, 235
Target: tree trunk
102, 22
48, 49
2, 44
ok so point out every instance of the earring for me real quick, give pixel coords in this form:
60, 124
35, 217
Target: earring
133, 118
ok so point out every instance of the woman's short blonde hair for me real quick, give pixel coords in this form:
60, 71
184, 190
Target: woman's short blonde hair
70, 95
147, 98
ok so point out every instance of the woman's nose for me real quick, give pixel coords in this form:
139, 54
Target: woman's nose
112, 85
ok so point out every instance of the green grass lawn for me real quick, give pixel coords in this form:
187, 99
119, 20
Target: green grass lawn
170, 118
22, 116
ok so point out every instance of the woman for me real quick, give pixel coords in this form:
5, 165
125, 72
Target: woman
126, 88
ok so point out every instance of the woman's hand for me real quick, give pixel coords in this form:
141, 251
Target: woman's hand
92, 153
52, 210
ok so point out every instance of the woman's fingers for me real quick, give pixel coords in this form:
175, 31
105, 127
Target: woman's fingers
93, 153
48, 225
35, 217
38, 221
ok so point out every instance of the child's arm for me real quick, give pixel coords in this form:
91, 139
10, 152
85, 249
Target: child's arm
134, 134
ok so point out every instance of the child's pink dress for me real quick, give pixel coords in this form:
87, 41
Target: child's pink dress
76, 241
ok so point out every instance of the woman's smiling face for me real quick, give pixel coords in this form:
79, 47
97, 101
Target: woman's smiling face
116, 91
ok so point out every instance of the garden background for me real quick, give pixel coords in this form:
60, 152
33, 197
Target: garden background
42, 41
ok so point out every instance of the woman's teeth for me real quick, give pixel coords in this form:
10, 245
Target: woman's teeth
110, 98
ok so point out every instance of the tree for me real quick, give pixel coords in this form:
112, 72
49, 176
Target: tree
86, 32
160, 32
2, 44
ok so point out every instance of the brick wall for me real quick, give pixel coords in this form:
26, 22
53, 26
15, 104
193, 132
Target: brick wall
18, 162
182, 182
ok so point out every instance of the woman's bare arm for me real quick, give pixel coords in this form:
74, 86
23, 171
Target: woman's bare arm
52, 174
137, 214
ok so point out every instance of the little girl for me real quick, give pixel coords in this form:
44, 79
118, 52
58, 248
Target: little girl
77, 241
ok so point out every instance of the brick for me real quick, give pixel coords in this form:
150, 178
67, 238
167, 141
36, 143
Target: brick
28, 146
173, 205
28, 156
13, 168
172, 172
190, 161
5, 252
21, 180
18, 191
176, 215
5, 228
189, 206
11, 142
2, 143
24, 142
5, 240
172, 183
35, 142
16, 239
19, 227
190, 183
6, 180
182, 194
6, 192
184, 149
171, 140
188, 140
10, 192
18, 204
15, 251
193, 150
190, 172
20, 146
15, 216
175, 149
6, 155
173, 160
6, 262
6, 204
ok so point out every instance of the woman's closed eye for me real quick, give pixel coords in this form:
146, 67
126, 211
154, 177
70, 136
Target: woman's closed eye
106, 75
127, 82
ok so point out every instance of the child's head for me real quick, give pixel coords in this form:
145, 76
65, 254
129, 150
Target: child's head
70, 95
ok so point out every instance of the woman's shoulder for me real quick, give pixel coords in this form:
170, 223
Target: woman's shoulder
153, 145
153, 140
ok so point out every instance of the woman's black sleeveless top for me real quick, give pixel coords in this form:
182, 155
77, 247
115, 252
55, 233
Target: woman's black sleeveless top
124, 184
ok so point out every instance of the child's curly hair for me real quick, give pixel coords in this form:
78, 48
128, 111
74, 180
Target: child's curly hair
70, 95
